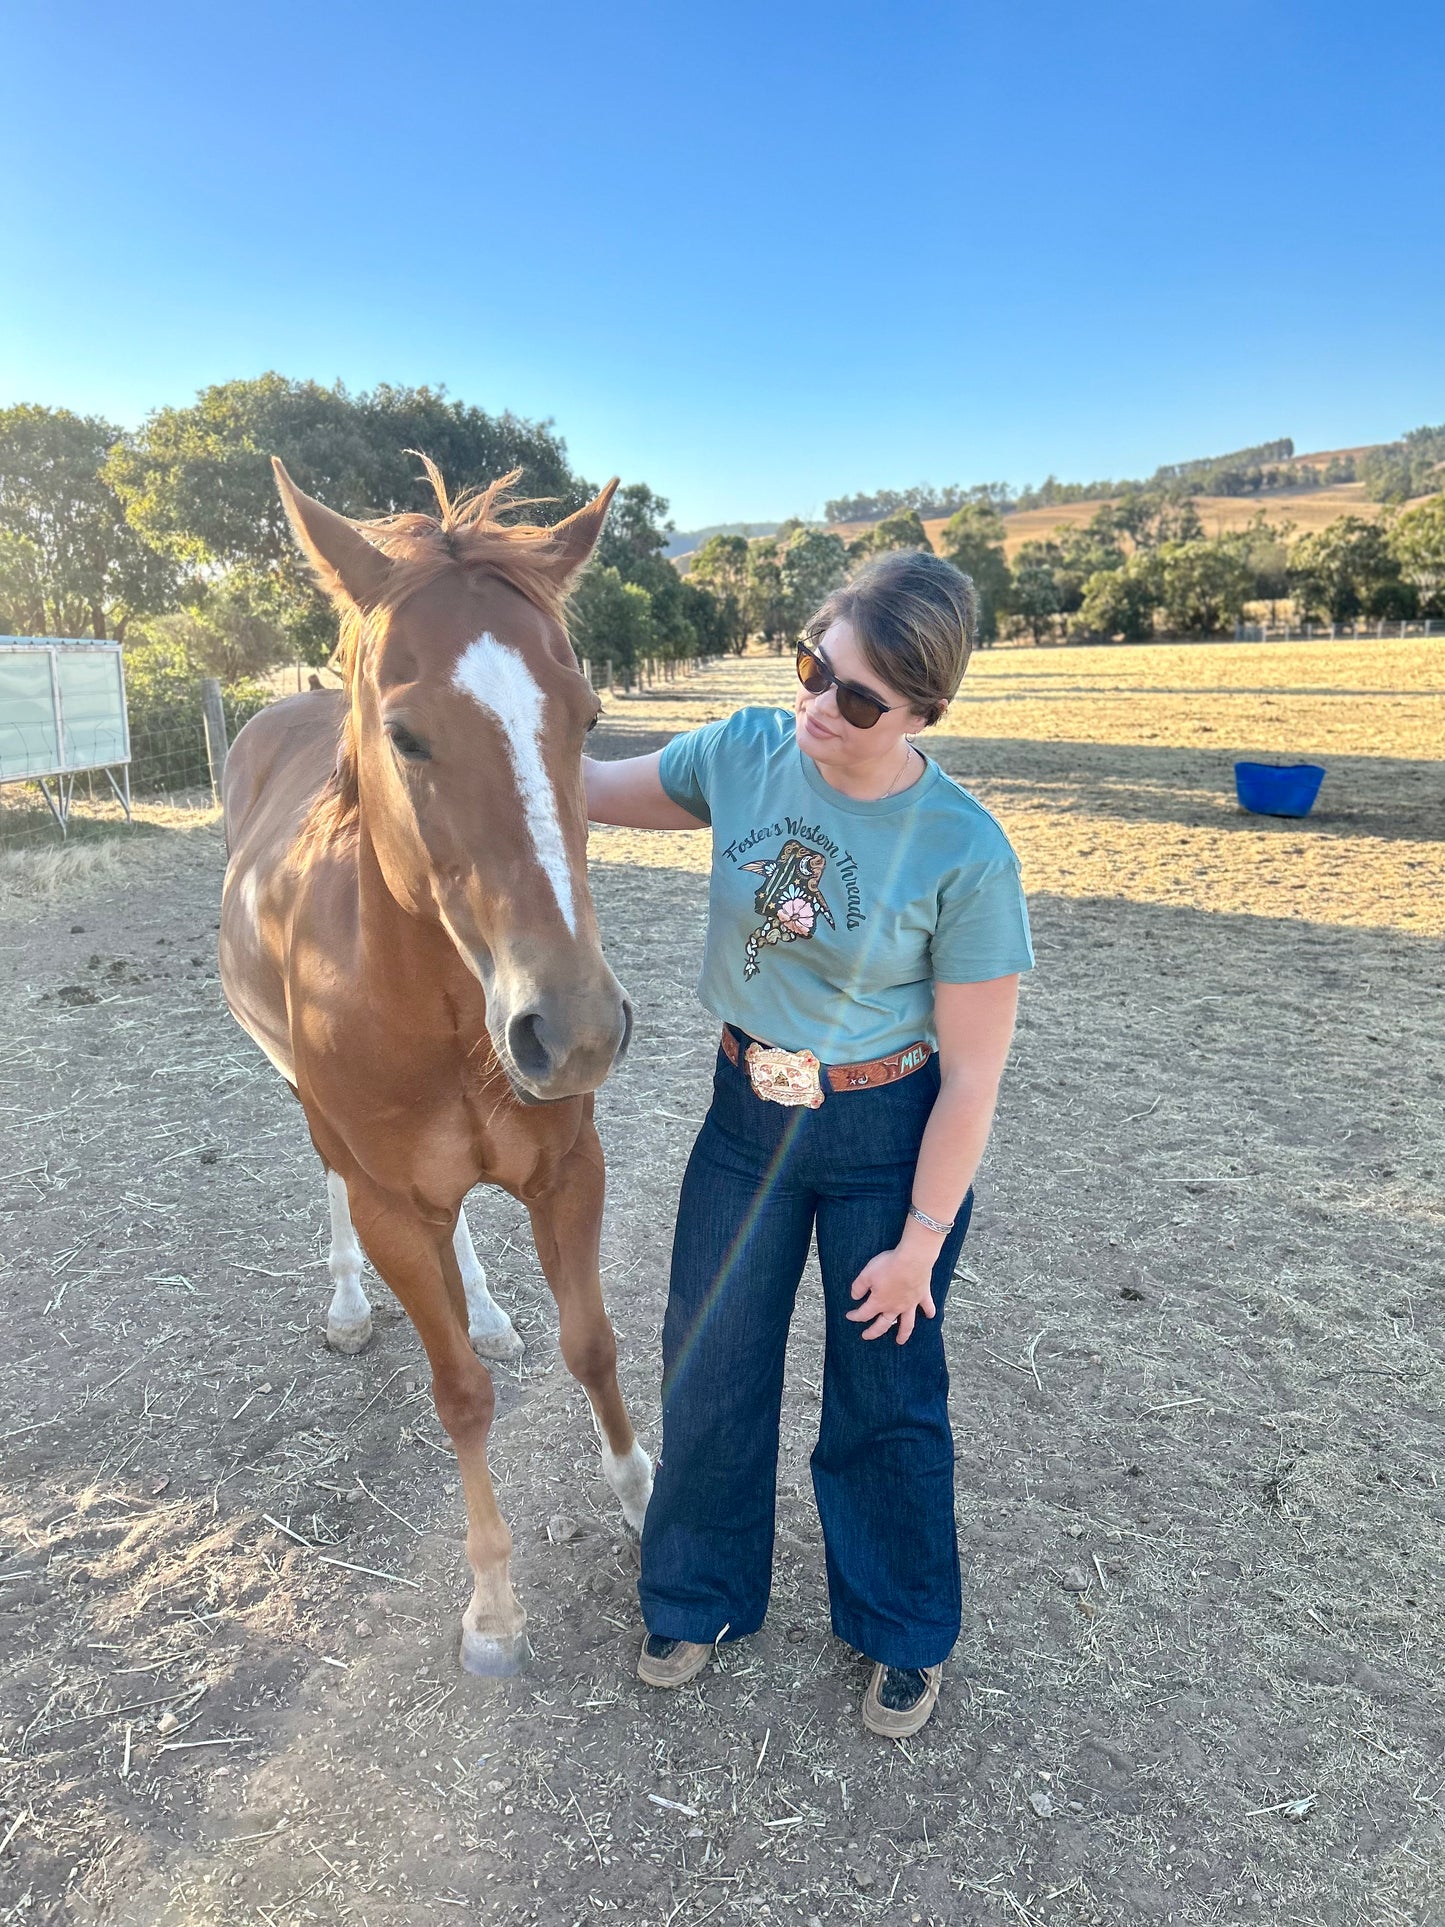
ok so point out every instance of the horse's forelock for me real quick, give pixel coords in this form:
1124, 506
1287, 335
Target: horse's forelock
465, 534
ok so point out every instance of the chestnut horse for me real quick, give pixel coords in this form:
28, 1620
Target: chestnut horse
407, 932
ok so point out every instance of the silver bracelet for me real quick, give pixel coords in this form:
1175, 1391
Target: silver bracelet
932, 1224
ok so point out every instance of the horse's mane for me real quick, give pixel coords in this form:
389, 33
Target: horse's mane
467, 533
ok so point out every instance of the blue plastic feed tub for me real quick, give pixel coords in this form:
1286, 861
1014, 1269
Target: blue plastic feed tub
1277, 789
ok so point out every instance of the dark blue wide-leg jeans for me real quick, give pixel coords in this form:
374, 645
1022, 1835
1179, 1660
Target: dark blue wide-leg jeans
760, 1180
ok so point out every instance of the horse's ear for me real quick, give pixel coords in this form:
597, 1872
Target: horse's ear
575, 539
348, 567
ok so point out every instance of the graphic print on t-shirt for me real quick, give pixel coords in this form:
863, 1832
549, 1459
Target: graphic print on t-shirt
789, 900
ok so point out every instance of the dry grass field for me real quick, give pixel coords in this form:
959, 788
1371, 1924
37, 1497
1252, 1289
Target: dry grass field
1198, 1368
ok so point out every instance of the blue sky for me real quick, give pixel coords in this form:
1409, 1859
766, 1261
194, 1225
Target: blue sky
753, 255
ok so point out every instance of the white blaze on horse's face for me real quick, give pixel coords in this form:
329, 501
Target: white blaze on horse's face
498, 680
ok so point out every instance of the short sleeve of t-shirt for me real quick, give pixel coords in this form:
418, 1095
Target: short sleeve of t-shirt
983, 927
689, 765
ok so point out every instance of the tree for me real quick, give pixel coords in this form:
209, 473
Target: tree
1083, 554
1417, 542
196, 482
925, 498
1202, 586
1411, 466
1121, 602
1265, 547
767, 604
708, 619
1148, 517
234, 627
635, 532
1037, 595
1348, 569
901, 530
611, 620
811, 564
633, 540
470, 447
973, 540
720, 569
22, 588
92, 571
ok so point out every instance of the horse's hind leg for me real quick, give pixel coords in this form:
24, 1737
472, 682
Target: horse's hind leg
348, 1317
567, 1225
493, 1333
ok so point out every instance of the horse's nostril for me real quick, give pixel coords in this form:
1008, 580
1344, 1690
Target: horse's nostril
626, 1027
529, 1052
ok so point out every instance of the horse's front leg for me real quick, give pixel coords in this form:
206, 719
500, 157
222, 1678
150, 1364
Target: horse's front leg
567, 1227
417, 1259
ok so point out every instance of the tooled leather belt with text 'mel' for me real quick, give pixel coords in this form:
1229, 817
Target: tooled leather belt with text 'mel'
796, 1077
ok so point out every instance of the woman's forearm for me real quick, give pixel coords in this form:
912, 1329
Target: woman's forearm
629, 793
949, 1155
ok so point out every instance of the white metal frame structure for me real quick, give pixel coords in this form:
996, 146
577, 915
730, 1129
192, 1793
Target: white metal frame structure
63, 713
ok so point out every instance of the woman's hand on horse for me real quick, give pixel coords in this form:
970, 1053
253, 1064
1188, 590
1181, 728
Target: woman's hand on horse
893, 1288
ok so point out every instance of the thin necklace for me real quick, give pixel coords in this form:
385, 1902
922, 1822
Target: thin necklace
907, 759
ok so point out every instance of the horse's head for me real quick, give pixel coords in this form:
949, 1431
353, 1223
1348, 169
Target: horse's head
462, 759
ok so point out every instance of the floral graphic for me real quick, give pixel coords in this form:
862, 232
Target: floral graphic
789, 900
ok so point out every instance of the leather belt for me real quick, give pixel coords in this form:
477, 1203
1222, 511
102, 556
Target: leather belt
796, 1077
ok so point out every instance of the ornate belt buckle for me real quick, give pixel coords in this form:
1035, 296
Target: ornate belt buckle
785, 1076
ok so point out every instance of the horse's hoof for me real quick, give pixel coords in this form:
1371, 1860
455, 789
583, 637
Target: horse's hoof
635, 1516
631, 1480
349, 1339
503, 1347
486, 1657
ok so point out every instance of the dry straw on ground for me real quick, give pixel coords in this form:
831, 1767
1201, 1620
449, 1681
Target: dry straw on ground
1196, 1354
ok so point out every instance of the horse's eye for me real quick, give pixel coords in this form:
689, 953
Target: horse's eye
594, 722
407, 745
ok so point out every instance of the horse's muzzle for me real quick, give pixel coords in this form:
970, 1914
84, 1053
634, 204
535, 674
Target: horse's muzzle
558, 1046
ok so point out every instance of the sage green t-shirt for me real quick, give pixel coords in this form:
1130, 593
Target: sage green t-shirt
829, 919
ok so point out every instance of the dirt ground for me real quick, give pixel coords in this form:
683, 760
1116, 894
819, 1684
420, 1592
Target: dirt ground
1196, 1346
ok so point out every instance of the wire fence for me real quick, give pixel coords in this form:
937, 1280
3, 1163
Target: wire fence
1365, 628
169, 782
178, 746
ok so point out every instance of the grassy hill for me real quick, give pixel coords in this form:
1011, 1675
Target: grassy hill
1307, 508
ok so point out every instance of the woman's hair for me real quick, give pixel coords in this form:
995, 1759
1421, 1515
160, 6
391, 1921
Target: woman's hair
915, 617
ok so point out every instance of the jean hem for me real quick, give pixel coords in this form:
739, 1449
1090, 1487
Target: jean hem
886, 1649
665, 1626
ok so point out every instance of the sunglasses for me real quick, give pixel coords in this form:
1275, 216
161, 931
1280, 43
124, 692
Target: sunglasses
855, 706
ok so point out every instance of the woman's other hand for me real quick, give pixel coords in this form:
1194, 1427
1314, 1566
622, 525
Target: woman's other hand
893, 1288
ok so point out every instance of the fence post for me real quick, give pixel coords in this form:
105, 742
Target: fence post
214, 712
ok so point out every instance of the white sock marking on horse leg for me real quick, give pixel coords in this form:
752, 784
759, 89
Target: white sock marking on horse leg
348, 1318
629, 1475
493, 1334
497, 678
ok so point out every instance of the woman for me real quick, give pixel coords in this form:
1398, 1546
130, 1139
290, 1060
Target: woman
866, 930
